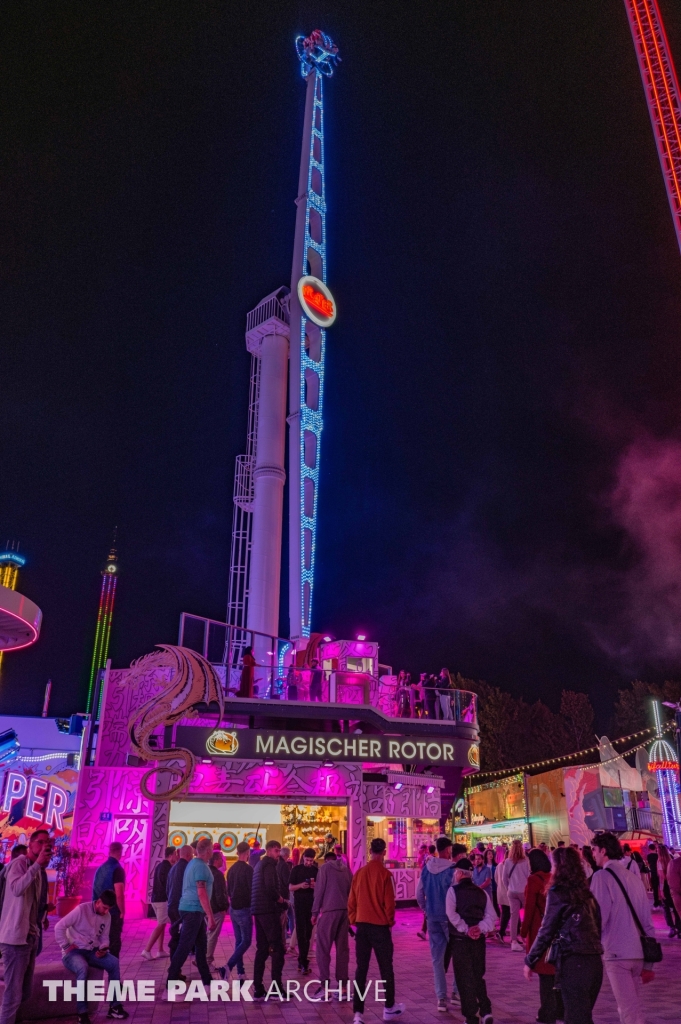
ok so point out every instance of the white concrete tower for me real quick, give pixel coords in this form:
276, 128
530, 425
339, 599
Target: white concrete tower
267, 339
312, 311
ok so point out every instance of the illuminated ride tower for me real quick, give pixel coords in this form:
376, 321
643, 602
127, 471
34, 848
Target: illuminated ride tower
286, 329
20, 619
312, 310
663, 761
662, 95
104, 616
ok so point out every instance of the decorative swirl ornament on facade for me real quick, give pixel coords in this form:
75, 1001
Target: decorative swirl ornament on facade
193, 681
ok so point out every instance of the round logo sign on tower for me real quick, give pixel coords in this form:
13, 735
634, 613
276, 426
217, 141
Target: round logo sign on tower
317, 301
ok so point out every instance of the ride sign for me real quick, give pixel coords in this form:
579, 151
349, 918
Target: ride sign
317, 301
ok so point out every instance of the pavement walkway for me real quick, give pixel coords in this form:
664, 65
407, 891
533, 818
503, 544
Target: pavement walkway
514, 1000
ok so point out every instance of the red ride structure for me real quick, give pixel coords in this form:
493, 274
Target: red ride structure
661, 87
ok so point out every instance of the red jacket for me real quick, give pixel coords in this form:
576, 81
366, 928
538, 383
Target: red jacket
535, 905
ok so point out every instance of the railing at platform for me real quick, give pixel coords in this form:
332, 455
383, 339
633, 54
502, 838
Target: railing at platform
275, 677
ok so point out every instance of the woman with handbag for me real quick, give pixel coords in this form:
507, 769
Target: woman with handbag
550, 1002
570, 935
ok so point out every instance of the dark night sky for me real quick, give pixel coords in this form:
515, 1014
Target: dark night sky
501, 459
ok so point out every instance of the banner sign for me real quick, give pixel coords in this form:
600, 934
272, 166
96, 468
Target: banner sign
281, 745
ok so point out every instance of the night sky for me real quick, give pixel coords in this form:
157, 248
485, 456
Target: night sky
501, 457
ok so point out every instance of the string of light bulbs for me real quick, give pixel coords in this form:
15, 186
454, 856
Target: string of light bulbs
578, 753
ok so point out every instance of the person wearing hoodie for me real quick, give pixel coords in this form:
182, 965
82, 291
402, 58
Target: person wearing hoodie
330, 914
83, 936
431, 895
371, 907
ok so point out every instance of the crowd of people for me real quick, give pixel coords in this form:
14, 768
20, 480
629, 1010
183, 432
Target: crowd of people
429, 696
574, 913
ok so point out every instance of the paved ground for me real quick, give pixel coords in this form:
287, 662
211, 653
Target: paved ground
514, 1000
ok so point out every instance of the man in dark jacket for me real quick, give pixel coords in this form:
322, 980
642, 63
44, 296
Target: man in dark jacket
239, 887
267, 905
174, 894
219, 904
284, 867
471, 918
111, 875
159, 901
301, 884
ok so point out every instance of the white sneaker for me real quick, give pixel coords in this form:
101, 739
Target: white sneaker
146, 955
393, 1012
358, 1019
517, 947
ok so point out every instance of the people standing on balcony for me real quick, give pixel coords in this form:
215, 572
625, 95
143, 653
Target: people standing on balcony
515, 872
302, 884
316, 678
416, 695
247, 673
292, 683
550, 1003
430, 695
403, 696
572, 918
371, 907
446, 692
431, 894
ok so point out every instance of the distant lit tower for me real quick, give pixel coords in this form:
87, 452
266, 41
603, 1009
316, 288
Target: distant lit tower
663, 761
312, 310
104, 617
10, 563
661, 87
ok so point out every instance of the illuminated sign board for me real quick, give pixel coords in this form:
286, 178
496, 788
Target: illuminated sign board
281, 745
317, 301
45, 802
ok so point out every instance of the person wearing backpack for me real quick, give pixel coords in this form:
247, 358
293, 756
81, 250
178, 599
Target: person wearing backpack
626, 916
471, 918
570, 935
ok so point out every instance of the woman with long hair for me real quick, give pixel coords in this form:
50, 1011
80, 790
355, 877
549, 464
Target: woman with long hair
247, 673
515, 872
571, 927
550, 1003
445, 691
670, 914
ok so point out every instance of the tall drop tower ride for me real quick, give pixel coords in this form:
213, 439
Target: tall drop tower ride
312, 310
662, 95
286, 336
107, 596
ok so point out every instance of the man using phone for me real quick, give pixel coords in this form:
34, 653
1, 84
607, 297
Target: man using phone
84, 939
20, 923
301, 884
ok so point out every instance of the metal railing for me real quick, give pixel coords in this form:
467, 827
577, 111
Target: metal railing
276, 678
642, 819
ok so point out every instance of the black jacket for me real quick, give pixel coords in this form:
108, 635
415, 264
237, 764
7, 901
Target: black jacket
284, 868
239, 883
577, 927
266, 888
174, 883
218, 897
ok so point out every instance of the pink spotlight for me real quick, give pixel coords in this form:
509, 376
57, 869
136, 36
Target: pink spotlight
361, 636
327, 639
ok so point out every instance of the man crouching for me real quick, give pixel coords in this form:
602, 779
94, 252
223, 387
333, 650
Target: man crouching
83, 936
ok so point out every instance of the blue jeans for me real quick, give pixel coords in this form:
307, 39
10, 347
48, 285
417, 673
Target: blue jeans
242, 923
19, 962
78, 961
438, 936
193, 936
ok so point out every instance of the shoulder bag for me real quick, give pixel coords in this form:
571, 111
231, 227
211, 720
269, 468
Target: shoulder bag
652, 950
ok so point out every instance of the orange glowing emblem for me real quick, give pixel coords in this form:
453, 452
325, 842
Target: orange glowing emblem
317, 301
222, 743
